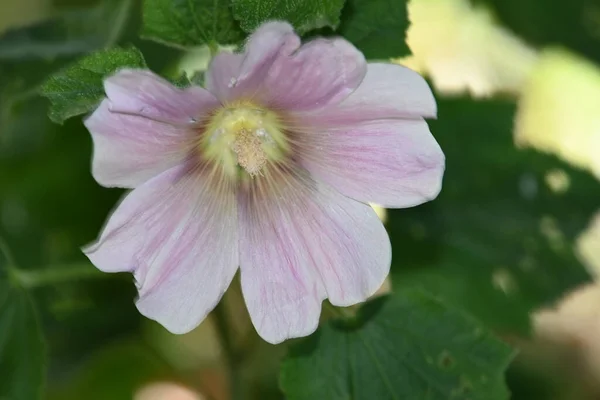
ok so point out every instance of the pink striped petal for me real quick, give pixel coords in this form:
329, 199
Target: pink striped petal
276, 73
144, 93
393, 163
222, 75
301, 241
231, 76
129, 149
321, 72
387, 91
179, 238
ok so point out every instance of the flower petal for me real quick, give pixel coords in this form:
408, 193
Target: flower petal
393, 163
144, 93
129, 149
222, 74
301, 241
179, 238
321, 72
387, 91
275, 73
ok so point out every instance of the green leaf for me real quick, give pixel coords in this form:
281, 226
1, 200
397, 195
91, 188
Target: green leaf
78, 89
407, 346
305, 15
574, 24
376, 27
190, 23
498, 241
22, 350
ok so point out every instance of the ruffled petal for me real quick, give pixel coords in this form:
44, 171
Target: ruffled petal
276, 73
144, 93
178, 235
231, 76
387, 91
222, 74
393, 163
130, 149
302, 241
321, 72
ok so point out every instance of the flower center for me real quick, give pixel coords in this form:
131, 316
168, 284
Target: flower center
244, 135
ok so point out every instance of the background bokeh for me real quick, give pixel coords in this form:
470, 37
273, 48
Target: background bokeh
513, 239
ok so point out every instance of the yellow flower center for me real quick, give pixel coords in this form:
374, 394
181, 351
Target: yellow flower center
244, 135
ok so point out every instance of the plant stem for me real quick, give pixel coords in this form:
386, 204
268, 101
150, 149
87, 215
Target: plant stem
338, 312
51, 275
231, 355
214, 48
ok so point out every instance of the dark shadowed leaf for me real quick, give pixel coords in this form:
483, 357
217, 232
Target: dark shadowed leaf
30, 54
498, 241
574, 23
70, 34
376, 27
22, 350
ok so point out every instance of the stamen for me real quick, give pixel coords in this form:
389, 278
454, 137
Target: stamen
244, 135
248, 148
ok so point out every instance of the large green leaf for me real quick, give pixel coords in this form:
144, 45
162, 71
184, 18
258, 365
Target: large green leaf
190, 23
22, 350
498, 240
303, 14
407, 346
78, 89
376, 27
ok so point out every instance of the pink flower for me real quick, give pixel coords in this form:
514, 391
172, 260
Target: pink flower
267, 169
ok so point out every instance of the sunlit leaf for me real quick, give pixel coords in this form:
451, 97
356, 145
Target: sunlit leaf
303, 14
190, 23
78, 89
407, 346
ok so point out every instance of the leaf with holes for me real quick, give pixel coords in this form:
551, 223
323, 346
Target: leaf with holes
406, 346
78, 89
190, 23
498, 241
305, 15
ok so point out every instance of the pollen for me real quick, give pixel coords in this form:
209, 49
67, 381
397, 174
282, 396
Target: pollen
248, 148
244, 135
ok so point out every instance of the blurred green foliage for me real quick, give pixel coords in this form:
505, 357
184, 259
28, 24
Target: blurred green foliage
497, 241
495, 246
